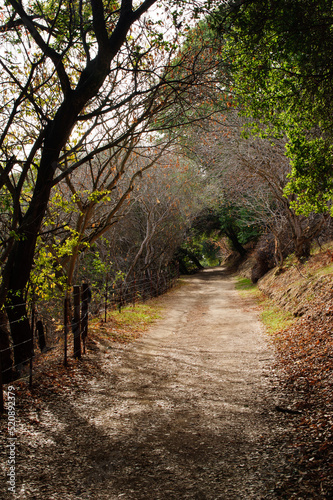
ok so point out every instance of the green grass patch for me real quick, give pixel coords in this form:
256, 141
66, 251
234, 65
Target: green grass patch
244, 284
290, 261
128, 324
325, 270
246, 287
321, 248
140, 315
273, 317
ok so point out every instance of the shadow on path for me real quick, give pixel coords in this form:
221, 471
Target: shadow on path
182, 413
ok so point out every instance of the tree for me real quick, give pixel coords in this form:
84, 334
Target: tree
280, 64
266, 161
78, 78
159, 214
250, 175
96, 197
214, 145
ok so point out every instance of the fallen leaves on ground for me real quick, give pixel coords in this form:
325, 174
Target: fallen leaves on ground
305, 368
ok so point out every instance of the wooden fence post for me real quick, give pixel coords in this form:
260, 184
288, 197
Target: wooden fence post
106, 297
32, 328
85, 297
76, 324
66, 322
1, 391
134, 290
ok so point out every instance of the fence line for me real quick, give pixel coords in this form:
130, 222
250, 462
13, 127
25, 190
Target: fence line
116, 295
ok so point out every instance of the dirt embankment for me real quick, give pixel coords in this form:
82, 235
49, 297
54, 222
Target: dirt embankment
301, 288
304, 353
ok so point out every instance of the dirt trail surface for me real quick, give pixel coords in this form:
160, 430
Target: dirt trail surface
184, 412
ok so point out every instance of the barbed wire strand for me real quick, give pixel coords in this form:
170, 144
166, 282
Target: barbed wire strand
118, 295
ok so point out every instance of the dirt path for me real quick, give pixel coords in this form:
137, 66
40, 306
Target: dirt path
182, 413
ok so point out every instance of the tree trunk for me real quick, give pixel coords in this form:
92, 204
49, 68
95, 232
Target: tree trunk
76, 324
56, 133
19, 327
6, 358
40, 335
18, 266
86, 297
191, 256
194, 260
278, 255
230, 233
303, 248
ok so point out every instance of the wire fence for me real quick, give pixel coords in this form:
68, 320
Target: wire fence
69, 339
139, 288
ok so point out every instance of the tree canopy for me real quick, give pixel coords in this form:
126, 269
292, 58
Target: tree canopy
78, 78
95, 94
279, 54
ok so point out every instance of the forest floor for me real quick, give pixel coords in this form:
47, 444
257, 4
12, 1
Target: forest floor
192, 409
